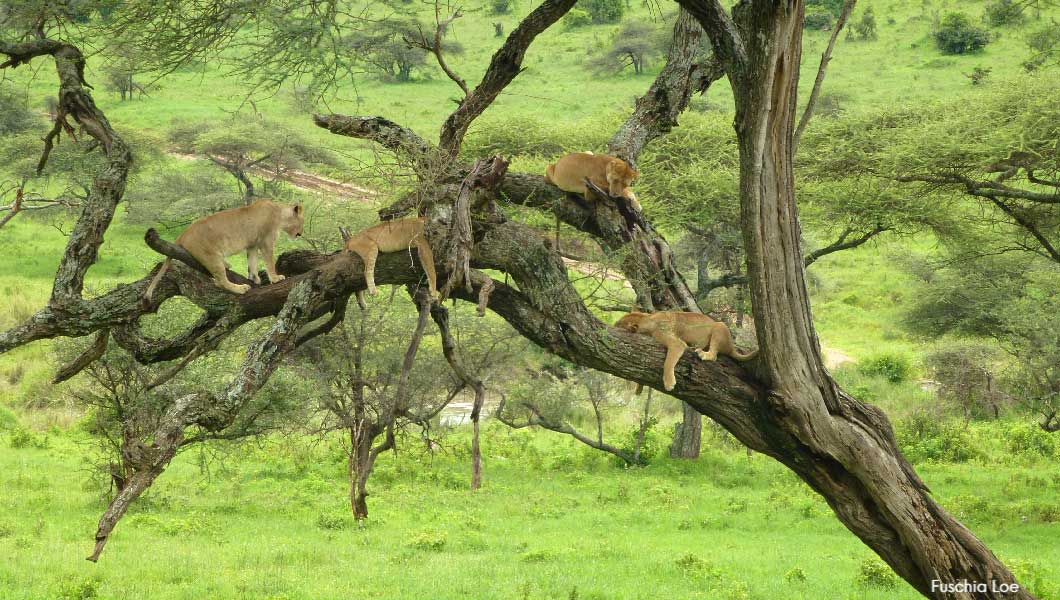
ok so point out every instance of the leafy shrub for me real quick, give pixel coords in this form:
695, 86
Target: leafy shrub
1003, 12
533, 556
651, 445
427, 540
831, 6
15, 116
576, 18
795, 575
1026, 439
873, 572
501, 7
924, 438
604, 11
957, 35
693, 566
818, 18
965, 379
865, 28
72, 588
332, 522
24, 438
892, 367
1045, 44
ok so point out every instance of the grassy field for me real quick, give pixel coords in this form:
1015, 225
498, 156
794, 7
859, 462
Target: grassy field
554, 520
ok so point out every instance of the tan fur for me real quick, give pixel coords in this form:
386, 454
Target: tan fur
252, 228
609, 173
681, 330
394, 236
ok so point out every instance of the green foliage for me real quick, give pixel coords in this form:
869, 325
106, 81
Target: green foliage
957, 34
892, 367
20, 437
696, 567
832, 6
76, 588
864, 29
1029, 440
1003, 12
874, 573
15, 116
1044, 44
604, 11
427, 540
819, 18
576, 18
795, 575
333, 521
652, 441
926, 438
502, 7
965, 372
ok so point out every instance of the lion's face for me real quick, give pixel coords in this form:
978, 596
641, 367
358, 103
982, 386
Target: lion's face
294, 220
620, 176
630, 322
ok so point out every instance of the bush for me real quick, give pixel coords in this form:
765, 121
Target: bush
427, 540
892, 367
957, 35
1003, 12
924, 438
965, 379
818, 18
832, 6
576, 18
501, 7
873, 572
15, 116
1026, 439
604, 11
865, 28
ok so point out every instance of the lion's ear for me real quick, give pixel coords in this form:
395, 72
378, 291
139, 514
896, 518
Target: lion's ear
297, 209
633, 327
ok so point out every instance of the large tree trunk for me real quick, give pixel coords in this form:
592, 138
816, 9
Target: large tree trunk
844, 449
687, 434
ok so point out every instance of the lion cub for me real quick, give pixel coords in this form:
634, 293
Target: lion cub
394, 236
253, 228
609, 173
681, 330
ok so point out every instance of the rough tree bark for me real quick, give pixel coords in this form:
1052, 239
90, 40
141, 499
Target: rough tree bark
843, 448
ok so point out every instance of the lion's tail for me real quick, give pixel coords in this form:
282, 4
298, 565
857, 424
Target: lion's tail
741, 356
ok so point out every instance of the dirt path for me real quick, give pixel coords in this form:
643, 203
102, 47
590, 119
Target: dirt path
302, 180
835, 358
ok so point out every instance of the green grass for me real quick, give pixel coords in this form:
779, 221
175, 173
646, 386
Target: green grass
272, 522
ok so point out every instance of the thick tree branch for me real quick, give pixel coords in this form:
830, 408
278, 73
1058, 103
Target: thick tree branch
985, 189
720, 28
826, 57
109, 184
89, 356
684, 74
506, 63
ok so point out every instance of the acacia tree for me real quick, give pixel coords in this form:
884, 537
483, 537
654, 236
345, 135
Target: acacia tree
785, 406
